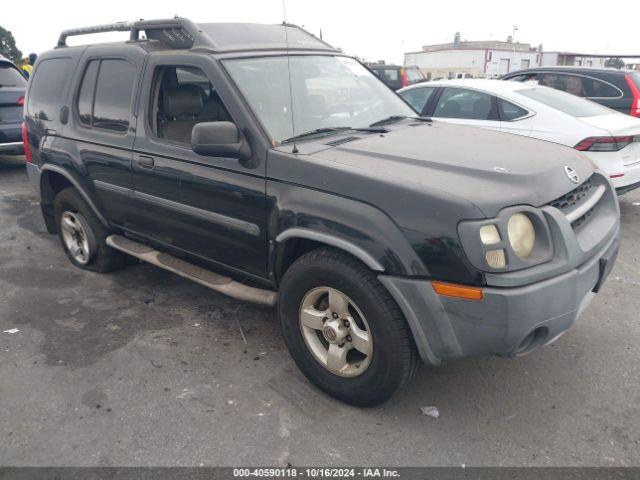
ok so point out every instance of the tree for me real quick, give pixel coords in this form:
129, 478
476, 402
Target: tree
8, 46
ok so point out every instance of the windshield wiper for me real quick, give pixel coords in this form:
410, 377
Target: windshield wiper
329, 130
312, 133
396, 118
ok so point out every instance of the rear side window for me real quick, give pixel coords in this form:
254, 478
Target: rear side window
85, 99
10, 76
45, 94
418, 97
636, 79
579, 85
510, 112
105, 94
462, 103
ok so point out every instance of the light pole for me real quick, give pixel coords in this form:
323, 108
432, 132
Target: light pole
513, 40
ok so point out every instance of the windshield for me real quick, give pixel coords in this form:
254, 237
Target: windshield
326, 92
565, 102
10, 76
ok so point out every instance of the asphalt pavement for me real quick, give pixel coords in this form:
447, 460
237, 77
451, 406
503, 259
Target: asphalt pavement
140, 367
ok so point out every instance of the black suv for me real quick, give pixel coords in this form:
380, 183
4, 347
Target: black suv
616, 89
264, 164
396, 77
12, 88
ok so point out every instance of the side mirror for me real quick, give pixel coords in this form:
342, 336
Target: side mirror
219, 139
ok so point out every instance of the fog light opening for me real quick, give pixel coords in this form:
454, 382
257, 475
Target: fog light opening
532, 341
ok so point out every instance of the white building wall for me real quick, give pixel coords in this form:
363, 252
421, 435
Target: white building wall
448, 61
515, 61
549, 59
478, 62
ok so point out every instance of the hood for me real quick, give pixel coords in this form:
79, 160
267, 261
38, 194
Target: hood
615, 123
490, 169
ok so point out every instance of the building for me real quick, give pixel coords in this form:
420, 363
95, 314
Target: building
550, 59
490, 59
476, 59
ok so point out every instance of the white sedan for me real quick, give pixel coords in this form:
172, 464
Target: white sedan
610, 139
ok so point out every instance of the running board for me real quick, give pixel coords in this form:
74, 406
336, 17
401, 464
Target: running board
187, 270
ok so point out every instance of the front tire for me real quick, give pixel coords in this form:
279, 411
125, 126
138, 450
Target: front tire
343, 329
82, 235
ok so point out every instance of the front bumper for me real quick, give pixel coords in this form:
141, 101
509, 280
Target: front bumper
507, 321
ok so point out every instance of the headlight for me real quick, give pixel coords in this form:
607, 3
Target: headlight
522, 235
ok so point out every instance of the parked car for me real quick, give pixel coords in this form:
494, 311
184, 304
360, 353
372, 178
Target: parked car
613, 88
12, 88
610, 139
382, 238
398, 77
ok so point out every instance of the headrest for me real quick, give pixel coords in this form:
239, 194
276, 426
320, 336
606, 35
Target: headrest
185, 100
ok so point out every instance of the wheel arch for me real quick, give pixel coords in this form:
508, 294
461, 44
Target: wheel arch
54, 179
295, 242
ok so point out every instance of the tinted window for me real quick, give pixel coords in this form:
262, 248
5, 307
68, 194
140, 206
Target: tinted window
525, 77
578, 107
391, 75
45, 95
114, 88
414, 74
579, 85
418, 97
509, 111
10, 76
461, 103
599, 89
85, 98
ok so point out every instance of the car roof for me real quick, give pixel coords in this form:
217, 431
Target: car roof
495, 86
561, 68
183, 34
256, 36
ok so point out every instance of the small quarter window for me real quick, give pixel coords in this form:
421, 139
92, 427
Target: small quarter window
510, 112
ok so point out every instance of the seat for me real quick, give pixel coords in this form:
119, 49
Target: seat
482, 108
450, 109
181, 109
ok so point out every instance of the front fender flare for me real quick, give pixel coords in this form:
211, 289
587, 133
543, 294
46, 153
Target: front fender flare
334, 241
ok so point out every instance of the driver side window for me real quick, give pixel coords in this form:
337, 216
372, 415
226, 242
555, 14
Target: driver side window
183, 97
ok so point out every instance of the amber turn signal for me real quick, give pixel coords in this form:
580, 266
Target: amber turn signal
457, 291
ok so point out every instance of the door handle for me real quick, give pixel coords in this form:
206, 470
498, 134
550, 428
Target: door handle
145, 162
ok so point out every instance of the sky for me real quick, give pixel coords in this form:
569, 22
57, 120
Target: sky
372, 30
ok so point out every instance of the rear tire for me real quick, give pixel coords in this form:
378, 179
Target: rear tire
328, 281
82, 235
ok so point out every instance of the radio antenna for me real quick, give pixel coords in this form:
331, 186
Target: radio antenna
286, 39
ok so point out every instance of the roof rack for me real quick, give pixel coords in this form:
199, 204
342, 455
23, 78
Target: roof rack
175, 32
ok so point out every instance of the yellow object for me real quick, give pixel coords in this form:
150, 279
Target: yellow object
458, 291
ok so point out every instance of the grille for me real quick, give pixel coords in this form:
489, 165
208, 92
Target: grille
582, 220
573, 198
